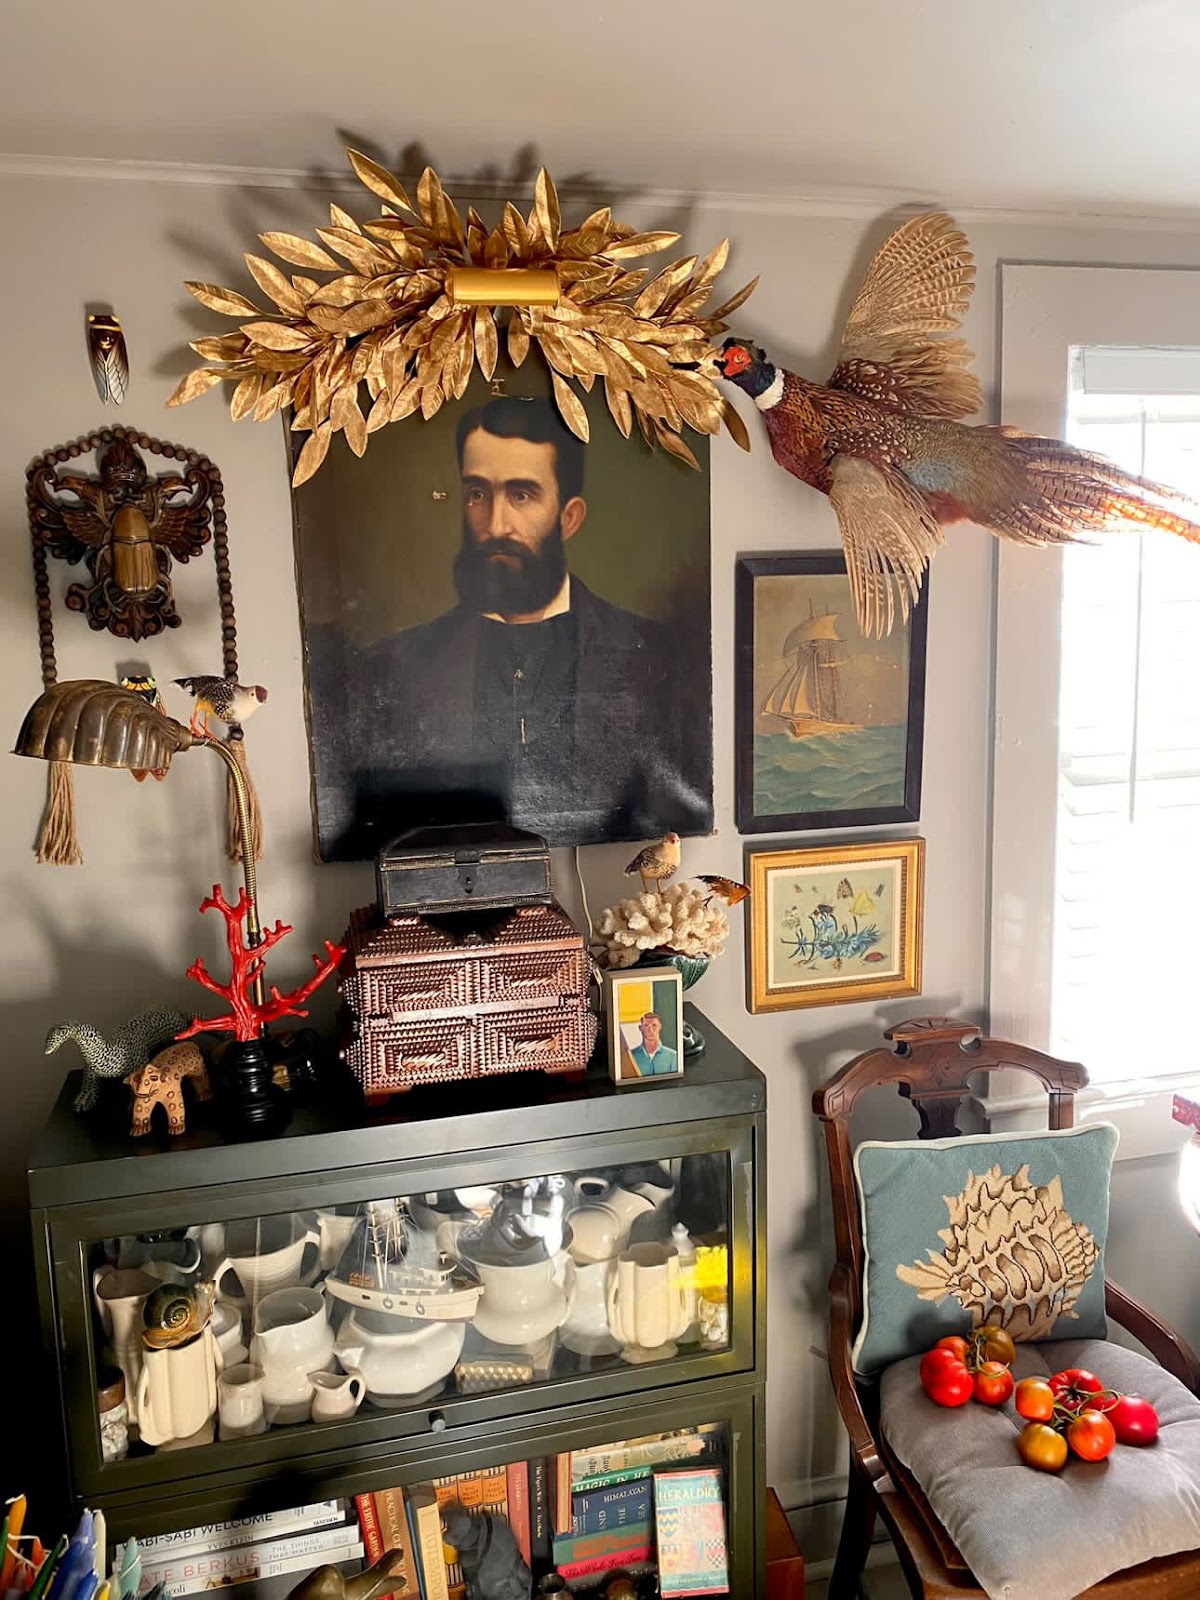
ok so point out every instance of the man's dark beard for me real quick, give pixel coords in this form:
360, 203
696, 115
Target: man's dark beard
513, 588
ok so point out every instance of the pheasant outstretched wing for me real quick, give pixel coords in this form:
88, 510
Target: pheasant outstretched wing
894, 350
889, 538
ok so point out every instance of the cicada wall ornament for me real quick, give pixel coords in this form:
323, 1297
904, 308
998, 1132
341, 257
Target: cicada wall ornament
126, 526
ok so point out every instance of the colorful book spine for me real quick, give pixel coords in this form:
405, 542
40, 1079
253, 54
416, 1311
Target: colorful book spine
245, 1530
582, 1548
429, 1542
635, 1453
689, 1519
560, 1494
517, 1475
604, 1480
539, 1510
614, 1506
188, 1574
391, 1515
623, 1558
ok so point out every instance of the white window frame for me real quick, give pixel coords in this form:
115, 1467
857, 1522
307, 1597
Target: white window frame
1046, 312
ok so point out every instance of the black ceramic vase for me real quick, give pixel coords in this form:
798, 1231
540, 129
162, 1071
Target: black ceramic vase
251, 1102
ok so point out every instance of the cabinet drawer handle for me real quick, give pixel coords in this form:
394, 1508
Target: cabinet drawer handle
437, 1421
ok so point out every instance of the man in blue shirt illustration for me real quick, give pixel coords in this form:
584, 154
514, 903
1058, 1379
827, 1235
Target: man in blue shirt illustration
652, 1057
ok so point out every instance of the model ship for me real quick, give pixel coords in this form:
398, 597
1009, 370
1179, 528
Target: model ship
376, 1271
806, 696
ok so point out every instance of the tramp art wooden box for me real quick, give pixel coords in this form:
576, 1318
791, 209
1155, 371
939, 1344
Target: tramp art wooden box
431, 999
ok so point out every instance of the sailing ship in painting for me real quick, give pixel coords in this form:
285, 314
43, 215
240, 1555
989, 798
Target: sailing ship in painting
830, 731
806, 699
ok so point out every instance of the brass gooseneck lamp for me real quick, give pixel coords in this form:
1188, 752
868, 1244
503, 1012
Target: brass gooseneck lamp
88, 722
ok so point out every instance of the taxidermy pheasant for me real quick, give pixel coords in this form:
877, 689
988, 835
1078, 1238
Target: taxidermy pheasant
882, 439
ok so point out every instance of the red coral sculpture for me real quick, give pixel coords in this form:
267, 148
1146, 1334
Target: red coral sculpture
247, 1020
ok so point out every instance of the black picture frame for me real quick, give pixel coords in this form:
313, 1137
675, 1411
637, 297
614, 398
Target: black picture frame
751, 818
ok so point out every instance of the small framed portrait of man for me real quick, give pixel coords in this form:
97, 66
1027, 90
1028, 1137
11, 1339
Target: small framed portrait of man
644, 1012
503, 623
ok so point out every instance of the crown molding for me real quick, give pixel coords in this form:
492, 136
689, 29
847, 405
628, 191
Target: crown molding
810, 201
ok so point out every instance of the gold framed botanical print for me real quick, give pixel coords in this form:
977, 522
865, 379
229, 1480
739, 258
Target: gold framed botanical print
836, 923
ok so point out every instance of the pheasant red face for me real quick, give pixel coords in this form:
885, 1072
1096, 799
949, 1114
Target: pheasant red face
734, 358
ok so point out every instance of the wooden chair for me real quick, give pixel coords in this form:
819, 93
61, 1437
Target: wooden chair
930, 1060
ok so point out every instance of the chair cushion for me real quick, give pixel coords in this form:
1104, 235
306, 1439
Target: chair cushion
1006, 1228
1029, 1535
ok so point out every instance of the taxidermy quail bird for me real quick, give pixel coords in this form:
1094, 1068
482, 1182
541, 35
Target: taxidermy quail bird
657, 862
882, 438
222, 698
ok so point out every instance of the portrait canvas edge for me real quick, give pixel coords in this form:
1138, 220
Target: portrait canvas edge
816, 563
612, 982
762, 860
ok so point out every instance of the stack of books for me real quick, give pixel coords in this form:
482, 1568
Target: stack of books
647, 1505
250, 1548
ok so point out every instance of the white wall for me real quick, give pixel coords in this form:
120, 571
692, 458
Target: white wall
100, 940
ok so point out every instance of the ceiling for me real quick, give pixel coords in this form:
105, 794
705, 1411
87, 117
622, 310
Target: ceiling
1032, 104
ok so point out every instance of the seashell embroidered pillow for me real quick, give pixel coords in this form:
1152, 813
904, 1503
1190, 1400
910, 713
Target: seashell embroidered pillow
1006, 1228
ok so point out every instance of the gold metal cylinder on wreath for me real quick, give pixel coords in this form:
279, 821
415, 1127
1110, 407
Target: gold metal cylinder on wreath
504, 286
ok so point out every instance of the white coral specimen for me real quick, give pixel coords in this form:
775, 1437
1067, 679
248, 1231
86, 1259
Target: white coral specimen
1013, 1256
685, 918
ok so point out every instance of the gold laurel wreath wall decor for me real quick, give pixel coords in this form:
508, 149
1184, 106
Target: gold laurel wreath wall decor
407, 319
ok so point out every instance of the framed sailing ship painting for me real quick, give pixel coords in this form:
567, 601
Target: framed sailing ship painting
829, 723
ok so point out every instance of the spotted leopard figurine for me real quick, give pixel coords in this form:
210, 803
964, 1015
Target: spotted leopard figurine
130, 1047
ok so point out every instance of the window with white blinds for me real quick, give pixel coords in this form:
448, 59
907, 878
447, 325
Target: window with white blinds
1126, 915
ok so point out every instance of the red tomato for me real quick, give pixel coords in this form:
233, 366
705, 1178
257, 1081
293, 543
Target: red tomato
993, 1383
1134, 1420
945, 1379
1076, 1388
956, 1344
1091, 1435
1042, 1447
1035, 1399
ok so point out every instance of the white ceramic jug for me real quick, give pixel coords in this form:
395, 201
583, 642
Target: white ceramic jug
523, 1303
647, 1302
240, 1403
336, 1394
399, 1357
121, 1293
586, 1330
292, 1337
177, 1389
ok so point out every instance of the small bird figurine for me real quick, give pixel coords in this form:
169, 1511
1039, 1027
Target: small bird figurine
222, 698
656, 863
884, 441
727, 889
145, 686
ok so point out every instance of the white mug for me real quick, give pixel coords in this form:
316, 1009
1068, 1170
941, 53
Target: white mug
240, 1401
228, 1332
336, 1394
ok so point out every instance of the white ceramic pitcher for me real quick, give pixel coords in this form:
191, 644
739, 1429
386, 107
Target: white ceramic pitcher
292, 1338
648, 1302
177, 1389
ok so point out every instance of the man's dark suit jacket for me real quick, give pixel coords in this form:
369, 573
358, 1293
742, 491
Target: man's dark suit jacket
637, 762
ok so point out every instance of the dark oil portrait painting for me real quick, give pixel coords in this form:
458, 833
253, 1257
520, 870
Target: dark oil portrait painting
829, 722
503, 623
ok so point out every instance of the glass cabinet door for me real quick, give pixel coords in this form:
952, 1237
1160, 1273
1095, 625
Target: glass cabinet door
664, 1513
383, 1313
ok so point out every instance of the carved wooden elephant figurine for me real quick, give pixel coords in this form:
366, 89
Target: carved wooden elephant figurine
160, 1083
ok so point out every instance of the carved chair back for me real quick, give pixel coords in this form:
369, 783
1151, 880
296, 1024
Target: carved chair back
930, 1060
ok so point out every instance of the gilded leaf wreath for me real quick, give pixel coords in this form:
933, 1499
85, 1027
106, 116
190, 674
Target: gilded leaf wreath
393, 324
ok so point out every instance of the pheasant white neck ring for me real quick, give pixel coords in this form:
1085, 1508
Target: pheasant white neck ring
773, 393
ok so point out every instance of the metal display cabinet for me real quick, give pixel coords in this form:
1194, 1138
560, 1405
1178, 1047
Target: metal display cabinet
689, 1150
